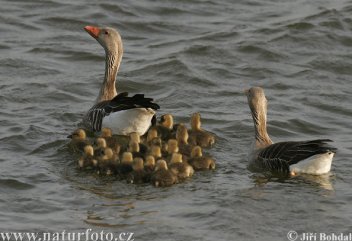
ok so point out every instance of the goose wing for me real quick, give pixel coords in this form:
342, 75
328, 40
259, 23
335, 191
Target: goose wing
279, 156
120, 102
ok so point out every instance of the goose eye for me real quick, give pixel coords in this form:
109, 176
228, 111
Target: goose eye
106, 32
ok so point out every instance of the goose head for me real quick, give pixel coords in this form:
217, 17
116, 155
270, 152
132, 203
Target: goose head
108, 37
257, 102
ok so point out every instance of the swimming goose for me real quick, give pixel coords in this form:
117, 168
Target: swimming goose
198, 136
120, 113
310, 157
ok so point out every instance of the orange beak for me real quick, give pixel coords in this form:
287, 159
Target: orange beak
93, 31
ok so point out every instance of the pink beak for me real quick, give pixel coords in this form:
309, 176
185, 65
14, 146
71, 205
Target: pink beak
93, 31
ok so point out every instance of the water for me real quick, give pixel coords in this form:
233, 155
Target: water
190, 56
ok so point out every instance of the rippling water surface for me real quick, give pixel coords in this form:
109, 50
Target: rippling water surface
194, 55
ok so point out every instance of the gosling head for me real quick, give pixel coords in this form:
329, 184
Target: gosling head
161, 165
196, 152
172, 146
182, 134
89, 150
195, 121
78, 134
106, 132
134, 146
138, 164
127, 158
108, 153
152, 134
176, 158
167, 121
135, 137
156, 151
100, 142
149, 161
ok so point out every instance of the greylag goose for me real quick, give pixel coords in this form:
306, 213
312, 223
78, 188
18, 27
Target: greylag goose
289, 158
120, 113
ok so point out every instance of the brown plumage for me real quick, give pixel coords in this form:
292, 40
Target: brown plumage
78, 140
181, 169
162, 177
198, 136
138, 175
87, 160
200, 162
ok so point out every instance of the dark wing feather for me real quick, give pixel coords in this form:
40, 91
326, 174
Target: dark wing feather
276, 155
124, 103
120, 102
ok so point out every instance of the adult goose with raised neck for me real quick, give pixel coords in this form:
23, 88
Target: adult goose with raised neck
290, 158
121, 113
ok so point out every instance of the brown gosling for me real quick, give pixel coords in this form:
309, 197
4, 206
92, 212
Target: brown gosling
162, 177
108, 162
153, 138
179, 168
87, 160
134, 148
111, 141
197, 135
138, 175
135, 137
126, 163
165, 127
78, 140
149, 164
155, 151
99, 147
171, 147
182, 138
200, 162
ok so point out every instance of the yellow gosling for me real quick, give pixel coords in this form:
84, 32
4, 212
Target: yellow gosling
78, 140
162, 177
200, 162
179, 168
198, 136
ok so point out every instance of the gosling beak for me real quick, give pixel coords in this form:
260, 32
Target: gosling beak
69, 136
246, 91
93, 31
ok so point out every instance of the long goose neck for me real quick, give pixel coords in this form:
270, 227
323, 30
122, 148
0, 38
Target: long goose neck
262, 138
108, 88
